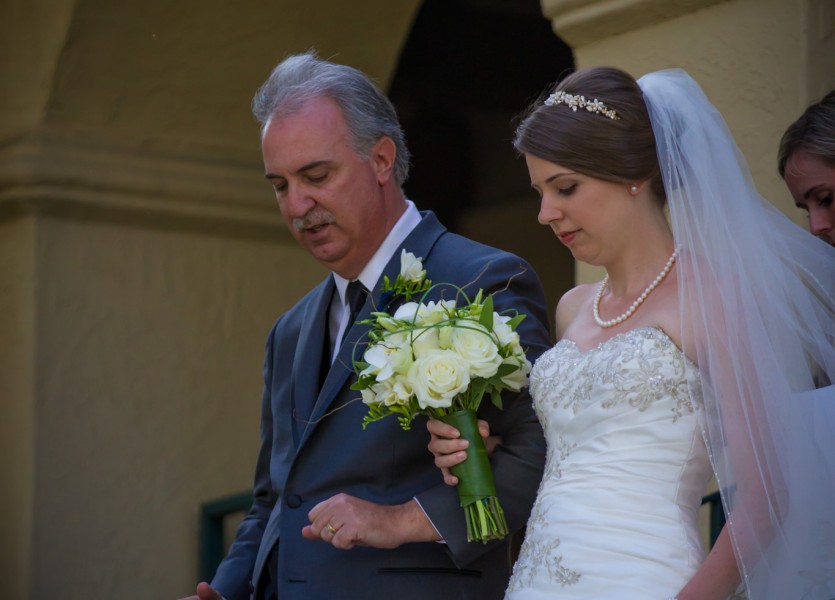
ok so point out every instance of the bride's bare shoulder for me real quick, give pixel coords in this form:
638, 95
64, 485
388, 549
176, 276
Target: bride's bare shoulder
571, 303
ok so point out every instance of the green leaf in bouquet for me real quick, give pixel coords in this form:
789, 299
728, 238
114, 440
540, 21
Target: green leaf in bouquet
476, 392
375, 413
405, 414
496, 398
486, 318
514, 322
504, 370
363, 383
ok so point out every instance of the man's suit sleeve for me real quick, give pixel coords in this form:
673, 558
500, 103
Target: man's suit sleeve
519, 461
234, 574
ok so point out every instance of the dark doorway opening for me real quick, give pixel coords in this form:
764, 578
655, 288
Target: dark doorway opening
467, 70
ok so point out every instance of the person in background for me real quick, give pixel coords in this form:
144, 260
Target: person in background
806, 161
700, 352
338, 511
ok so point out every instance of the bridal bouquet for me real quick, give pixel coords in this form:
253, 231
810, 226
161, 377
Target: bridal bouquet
440, 359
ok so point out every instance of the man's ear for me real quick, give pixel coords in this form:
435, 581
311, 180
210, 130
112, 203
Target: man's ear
382, 156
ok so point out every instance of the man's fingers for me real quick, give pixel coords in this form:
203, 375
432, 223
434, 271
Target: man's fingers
207, 592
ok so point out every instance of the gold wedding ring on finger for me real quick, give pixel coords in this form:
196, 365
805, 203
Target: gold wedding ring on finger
331, 528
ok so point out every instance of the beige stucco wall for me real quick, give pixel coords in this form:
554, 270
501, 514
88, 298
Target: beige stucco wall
17, 379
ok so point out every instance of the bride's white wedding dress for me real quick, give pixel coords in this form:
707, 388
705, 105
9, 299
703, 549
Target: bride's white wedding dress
616, 513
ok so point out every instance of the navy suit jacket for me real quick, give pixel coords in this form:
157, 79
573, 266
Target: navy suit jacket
305, 460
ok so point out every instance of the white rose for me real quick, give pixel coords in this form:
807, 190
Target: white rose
473, 343
438, 377
411, 268
518, 379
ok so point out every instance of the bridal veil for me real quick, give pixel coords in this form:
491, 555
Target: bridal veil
757, 297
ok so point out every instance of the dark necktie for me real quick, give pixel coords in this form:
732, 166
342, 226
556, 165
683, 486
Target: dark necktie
355, 297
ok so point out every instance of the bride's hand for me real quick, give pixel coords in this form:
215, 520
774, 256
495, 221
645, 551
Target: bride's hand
449, 450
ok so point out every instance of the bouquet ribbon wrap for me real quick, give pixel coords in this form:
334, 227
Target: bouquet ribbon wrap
476, 489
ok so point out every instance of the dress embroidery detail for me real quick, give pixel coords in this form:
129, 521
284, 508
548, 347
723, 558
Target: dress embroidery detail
617, 420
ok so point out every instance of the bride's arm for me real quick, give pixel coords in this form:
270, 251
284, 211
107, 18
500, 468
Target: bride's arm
718, 575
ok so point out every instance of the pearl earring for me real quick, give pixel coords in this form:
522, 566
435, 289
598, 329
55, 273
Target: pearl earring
634, 189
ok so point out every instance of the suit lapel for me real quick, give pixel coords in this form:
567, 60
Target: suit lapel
419, 242
309, 352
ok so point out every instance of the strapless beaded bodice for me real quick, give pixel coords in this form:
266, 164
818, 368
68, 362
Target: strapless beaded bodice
616, 512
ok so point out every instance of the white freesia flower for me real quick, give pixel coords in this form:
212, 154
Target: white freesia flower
445, 337
504, 334
473, 342
374, 394
388, 323
403, 389
518, 379
388, 393
438, 377
433, 313
391, 355
408, 312
411, 268
424, 341
430, 313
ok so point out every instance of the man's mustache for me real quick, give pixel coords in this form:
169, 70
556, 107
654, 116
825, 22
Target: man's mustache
313, 219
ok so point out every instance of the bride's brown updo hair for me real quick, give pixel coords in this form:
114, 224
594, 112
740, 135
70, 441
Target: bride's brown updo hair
620, 150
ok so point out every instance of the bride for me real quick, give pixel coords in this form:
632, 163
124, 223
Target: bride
706, 349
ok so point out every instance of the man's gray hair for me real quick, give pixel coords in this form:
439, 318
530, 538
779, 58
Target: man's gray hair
368, 113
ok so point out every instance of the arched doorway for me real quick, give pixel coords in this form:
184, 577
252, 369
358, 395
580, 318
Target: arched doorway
467, 69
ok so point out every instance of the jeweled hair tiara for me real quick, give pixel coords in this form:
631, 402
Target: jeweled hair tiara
575, 102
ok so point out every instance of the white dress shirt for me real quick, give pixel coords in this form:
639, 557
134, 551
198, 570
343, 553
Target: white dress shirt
339, 312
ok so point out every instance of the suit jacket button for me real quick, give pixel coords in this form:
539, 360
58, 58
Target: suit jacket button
294, 501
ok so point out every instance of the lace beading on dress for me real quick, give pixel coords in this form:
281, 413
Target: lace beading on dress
615, 516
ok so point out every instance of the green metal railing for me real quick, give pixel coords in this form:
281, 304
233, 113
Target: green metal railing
212, 544
716, 518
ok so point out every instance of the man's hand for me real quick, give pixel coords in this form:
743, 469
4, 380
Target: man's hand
346, 521
204, 592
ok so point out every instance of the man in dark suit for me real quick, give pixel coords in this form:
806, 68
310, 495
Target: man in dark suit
340, 512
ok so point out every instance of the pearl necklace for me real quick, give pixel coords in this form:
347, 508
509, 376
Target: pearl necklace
640, 300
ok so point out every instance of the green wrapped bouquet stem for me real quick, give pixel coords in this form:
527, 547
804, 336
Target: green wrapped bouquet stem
476, 489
